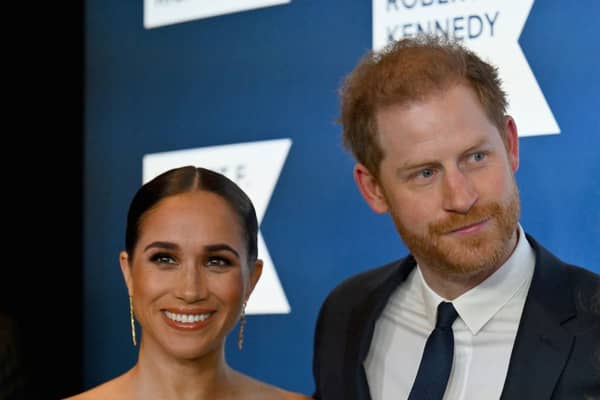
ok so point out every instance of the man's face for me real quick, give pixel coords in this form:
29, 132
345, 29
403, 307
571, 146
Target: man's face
447, 179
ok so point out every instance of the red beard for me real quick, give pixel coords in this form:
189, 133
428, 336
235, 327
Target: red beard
466, 256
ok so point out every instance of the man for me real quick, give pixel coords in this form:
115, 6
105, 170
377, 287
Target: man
426, 121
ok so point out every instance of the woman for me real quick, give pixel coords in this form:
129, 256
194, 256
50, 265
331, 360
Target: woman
190, 264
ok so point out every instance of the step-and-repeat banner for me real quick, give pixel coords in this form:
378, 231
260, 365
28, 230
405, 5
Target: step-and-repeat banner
249, 88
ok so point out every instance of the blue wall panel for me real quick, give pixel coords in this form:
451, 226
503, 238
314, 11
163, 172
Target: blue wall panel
274, 73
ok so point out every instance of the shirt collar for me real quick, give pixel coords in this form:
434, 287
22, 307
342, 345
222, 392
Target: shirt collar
478, 305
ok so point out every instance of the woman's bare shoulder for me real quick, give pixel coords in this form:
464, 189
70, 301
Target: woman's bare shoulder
115, 389
255, 389
98, 392
294, 396
276, 393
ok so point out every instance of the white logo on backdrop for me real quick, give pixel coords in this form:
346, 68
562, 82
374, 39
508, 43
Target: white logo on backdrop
255, 167
167, 12
491, 28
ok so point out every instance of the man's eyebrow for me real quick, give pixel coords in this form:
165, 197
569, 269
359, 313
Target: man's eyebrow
409, 166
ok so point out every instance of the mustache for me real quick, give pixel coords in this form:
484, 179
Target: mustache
458, 221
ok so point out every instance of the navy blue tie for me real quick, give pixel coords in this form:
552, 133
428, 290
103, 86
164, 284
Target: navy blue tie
434, 370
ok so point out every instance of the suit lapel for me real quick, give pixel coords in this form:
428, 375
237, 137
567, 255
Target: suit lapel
542, 345
362, 324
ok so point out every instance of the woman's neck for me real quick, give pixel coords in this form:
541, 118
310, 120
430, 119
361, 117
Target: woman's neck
158, 375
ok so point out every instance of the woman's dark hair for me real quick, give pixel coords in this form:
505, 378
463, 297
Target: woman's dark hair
189, 179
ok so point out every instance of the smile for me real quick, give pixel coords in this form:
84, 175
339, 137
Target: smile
472, 228
187, 318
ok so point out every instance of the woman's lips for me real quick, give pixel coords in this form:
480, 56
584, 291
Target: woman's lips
188, 320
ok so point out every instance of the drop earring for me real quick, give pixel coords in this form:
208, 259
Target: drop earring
242, 325
132, 321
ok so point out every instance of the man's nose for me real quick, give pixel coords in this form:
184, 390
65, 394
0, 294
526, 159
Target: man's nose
460, 193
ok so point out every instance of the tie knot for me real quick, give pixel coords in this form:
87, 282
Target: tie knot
446, 314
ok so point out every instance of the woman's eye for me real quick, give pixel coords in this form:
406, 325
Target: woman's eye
163, 259
217, 262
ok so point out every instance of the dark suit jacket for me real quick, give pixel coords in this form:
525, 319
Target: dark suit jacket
556, 354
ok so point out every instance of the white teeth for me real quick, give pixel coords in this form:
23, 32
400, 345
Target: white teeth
187, 318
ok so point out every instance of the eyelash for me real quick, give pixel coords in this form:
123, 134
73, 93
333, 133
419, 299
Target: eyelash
160, 258
221, 262
164, 259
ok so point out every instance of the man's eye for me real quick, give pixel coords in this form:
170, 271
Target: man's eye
426, 173
479, 156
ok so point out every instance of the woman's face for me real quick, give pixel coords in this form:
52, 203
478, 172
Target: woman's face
188, 275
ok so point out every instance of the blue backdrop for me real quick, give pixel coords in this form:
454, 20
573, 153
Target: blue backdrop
273, 73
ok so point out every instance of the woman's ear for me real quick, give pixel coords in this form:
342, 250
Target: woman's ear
126, 271
254, 277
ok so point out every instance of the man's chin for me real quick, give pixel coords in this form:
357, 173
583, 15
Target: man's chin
460, 258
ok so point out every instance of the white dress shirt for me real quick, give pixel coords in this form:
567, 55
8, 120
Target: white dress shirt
484, 332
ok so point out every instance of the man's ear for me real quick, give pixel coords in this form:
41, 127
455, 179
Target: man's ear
369, 188
512, 142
